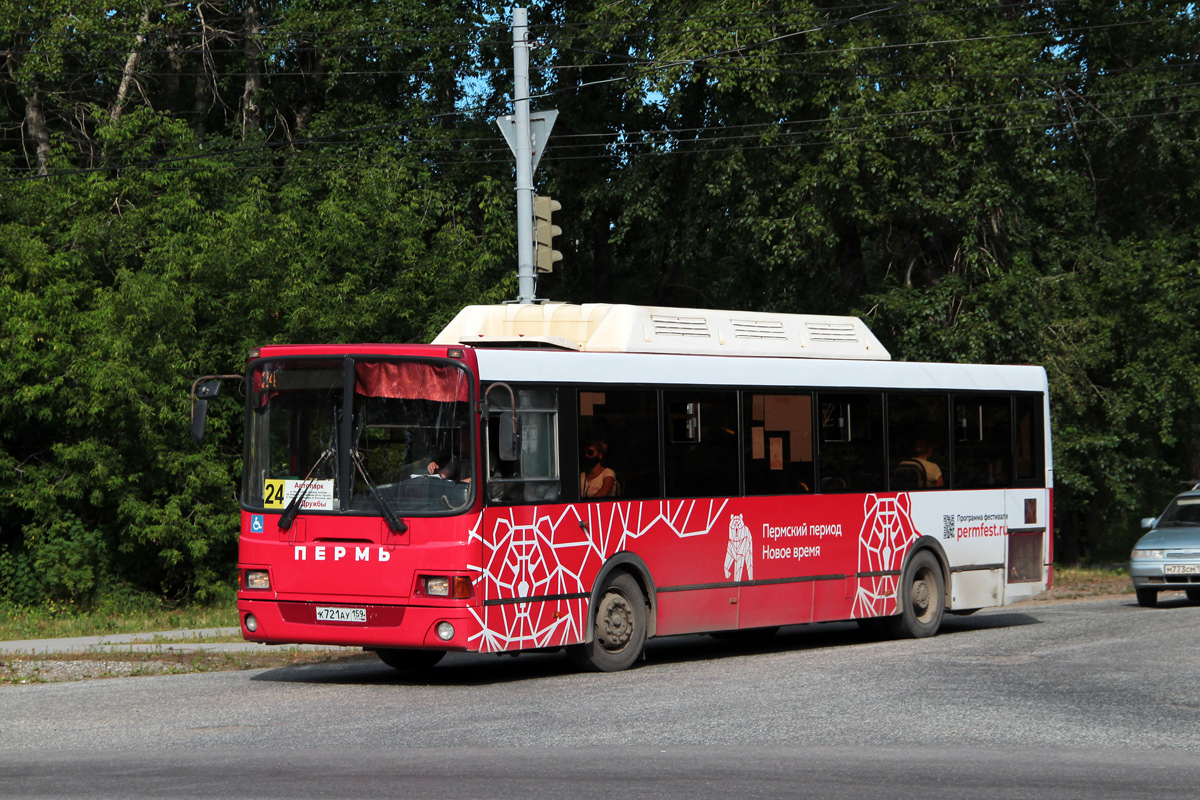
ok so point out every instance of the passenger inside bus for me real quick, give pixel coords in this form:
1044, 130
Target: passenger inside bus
596, 479
923, 455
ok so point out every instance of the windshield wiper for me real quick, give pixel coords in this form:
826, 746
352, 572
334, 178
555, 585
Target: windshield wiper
394, 522
293, 507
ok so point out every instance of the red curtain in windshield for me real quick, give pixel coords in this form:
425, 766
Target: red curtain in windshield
411, 381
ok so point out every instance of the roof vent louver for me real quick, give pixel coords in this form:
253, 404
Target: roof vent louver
836, 332
605, 328
680, 326
759, 329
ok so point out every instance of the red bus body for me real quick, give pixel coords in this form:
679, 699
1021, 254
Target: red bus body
532, 570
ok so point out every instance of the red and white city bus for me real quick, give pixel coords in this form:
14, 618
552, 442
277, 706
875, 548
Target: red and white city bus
743, 471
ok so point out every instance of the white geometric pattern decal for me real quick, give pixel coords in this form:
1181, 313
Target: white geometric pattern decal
529, 553
887, 531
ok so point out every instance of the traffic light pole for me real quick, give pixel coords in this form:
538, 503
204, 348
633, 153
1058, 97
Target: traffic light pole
526, 273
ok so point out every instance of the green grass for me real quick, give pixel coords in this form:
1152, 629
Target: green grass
128, 614
1074, 583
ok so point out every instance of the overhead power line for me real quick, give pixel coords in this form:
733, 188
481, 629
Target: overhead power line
664, 148
624, 60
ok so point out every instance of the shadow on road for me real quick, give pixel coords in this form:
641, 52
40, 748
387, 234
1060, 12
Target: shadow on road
1171, 599
475, 669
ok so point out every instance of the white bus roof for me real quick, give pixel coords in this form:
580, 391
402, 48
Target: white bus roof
608, 328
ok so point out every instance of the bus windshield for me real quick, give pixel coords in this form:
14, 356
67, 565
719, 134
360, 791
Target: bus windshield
347, 435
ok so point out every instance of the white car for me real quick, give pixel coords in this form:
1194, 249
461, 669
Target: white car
1168, 557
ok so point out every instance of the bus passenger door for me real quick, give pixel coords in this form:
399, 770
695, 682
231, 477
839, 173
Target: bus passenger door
700, 457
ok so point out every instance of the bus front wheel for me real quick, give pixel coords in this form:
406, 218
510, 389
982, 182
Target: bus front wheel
619, 628
410, 660
921, 600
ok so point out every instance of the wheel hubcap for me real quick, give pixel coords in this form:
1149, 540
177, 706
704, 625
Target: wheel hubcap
614, 622
921, 595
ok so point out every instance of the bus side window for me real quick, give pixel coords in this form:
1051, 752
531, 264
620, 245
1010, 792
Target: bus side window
1030, 453
701, 444
918, 441
983, 441
624, 423
535, 476
851, 447
779, 445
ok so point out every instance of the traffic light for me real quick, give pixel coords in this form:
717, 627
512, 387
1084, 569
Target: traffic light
544, 232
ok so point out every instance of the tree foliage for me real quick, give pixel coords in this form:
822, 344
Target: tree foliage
1009, 182
189, 214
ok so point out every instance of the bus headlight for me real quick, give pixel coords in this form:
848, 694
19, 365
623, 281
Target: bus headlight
457, 587
251, 623
445, 631
257, 579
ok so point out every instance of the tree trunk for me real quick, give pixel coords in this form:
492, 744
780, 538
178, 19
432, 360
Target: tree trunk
130, 67
313, 89
35, 124
251, 114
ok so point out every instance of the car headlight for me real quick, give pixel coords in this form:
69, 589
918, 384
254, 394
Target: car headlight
1147, 554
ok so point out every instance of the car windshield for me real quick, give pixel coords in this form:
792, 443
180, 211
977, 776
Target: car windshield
1183, 511
402, 436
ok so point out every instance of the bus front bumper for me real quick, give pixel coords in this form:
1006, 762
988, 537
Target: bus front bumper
358, 625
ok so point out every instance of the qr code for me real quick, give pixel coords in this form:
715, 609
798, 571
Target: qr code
947, 526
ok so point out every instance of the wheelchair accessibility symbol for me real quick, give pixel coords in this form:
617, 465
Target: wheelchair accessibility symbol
256, 523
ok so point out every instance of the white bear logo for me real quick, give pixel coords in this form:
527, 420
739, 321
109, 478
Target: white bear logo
740, 551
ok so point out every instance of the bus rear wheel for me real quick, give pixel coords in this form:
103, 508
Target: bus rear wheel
619, 628
921, 600
410, 660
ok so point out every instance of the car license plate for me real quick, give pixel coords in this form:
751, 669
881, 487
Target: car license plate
334, 614
1181, 569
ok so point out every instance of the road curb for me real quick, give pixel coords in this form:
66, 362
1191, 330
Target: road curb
182, 641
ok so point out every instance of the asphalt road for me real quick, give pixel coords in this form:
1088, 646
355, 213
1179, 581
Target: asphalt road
1090, 699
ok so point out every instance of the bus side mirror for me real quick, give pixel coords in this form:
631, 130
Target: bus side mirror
509, 444
508, 448
199, 416
203, 389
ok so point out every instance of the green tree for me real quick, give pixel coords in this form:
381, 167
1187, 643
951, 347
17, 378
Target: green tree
290, 192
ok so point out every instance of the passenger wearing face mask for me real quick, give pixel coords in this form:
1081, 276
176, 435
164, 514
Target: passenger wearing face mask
596, 480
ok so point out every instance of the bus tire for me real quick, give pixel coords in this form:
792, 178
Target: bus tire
921, 600
410, 660
618, 627
1147, 598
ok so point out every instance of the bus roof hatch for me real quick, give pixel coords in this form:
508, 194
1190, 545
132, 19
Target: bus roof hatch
608, 328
